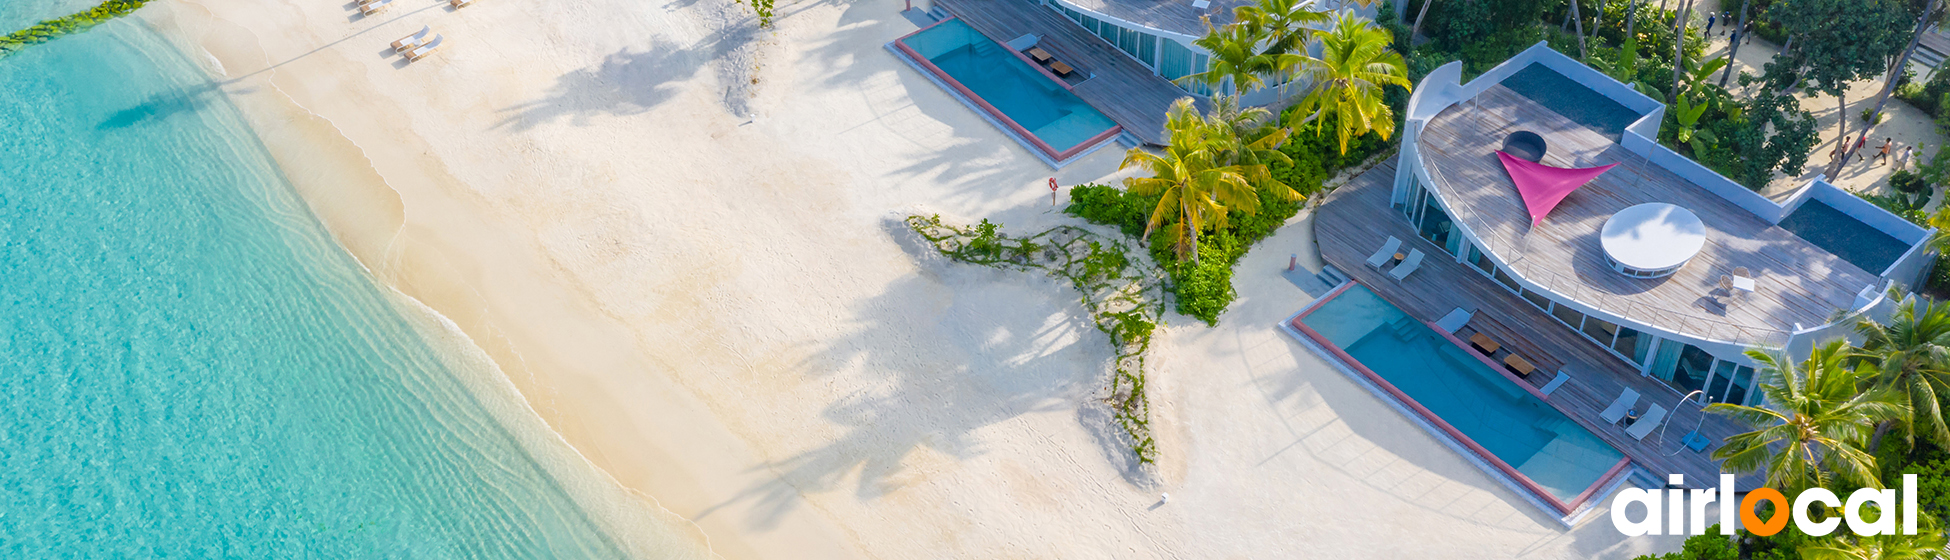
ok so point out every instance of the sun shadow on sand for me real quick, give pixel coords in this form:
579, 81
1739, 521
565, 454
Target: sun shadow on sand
627, 82
930, 398
163, 105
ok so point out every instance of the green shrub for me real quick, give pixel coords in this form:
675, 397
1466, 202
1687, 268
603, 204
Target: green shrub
1905, 181
73, 23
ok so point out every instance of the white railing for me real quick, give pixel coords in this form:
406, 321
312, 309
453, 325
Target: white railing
1510, 243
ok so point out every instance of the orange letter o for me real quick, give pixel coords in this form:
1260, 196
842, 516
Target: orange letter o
1752, 521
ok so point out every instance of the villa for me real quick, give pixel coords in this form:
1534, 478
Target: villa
1065, 77
1534, 234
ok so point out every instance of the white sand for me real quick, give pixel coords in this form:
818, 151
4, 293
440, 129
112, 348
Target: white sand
719, 315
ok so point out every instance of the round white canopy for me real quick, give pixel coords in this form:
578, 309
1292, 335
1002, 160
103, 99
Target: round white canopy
1653, 236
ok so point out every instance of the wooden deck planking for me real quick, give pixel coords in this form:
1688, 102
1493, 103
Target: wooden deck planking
1122, 88
1355, 219
1798, 281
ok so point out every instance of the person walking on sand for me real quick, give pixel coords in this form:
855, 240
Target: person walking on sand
1902, 160
1855, 151
1882, 153
1839, 147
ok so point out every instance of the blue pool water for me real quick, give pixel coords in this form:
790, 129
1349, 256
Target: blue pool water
1525, 432
1846, 237
1022, 93
190, 367
1574, 101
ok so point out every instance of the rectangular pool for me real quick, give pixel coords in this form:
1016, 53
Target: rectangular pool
1845, 236
1036, 106
1507, 424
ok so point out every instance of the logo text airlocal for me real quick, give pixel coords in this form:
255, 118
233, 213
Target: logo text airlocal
1674, 513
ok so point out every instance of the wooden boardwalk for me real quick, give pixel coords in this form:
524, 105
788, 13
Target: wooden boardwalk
1120, 87
1798, 281
1356, 219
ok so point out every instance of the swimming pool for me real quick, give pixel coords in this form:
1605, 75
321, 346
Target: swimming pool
1845, 236
1035, 106
1574, 101
1506, 423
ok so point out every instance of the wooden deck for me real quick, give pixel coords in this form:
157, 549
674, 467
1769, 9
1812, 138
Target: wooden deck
1356, 219
1798, 281
1120, 87
1177, 16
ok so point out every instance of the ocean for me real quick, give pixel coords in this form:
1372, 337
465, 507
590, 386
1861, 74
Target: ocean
191, 367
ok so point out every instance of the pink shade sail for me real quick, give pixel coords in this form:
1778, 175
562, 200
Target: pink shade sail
1543, 186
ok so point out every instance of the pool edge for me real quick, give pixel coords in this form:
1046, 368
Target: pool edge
1568, 513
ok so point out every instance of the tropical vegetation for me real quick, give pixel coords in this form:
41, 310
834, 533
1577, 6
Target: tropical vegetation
52, 29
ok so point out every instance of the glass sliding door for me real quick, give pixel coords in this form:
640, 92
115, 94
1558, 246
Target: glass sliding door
1743, 379
1632, 344
1695, 366
1436, 226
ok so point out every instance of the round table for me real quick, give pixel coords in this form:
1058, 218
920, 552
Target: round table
1652, 240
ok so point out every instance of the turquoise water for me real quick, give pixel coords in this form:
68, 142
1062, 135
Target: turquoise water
190, 367
1856, 242
1022, 93
1517, 427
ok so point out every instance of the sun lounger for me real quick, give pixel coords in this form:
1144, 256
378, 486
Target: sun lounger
1484, 343
1408, 265
1555, 383
1387, 250
460, 3
413, 41
425, 50
374, 7
1619, 407
1647, 423
1454, 321
1518, 364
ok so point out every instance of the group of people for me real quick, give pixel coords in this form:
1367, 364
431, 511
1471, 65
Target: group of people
1844, 150
1744, 32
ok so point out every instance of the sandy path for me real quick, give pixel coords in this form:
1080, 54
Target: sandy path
720, 313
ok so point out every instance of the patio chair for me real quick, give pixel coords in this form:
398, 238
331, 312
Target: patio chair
1741, 271
1726, 284
1555, 383
1647, 423
371, 8
1408, 265
425, 50
413, 41
1484, 343
1620, 406
1387, 251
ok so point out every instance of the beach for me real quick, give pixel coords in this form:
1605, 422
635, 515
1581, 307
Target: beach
680, 241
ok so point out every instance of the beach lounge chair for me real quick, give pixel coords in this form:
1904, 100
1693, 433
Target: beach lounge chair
460, 3
1518, 364
1408, 265
371, 8
413, 41
1647, 423
1619, 407
425, 50
1454, 321
1484, 343
1387, 251
1555, 383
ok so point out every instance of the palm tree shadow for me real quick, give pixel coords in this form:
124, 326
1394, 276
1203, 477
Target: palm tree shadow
163, 105
627, 82
934, 379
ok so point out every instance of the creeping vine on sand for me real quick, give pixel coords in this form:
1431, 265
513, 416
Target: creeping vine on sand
73, 23
1123, 295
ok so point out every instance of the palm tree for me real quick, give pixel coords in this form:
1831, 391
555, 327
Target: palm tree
1911, 356
1285, 24
1235, 55
1251, 137
1810, 438
1195, 188
1926, 544
1355, 63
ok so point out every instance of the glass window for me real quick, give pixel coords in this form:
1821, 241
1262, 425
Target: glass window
1722, 370
1537, 299
1571, 317
1109, 32
1600, 330
1435, 224
1692, 370
1148, 49
1174, 60
1127, 42
1742, 379
1505, 279
1199, 64
1090, 23
1632, 343
1480, 259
